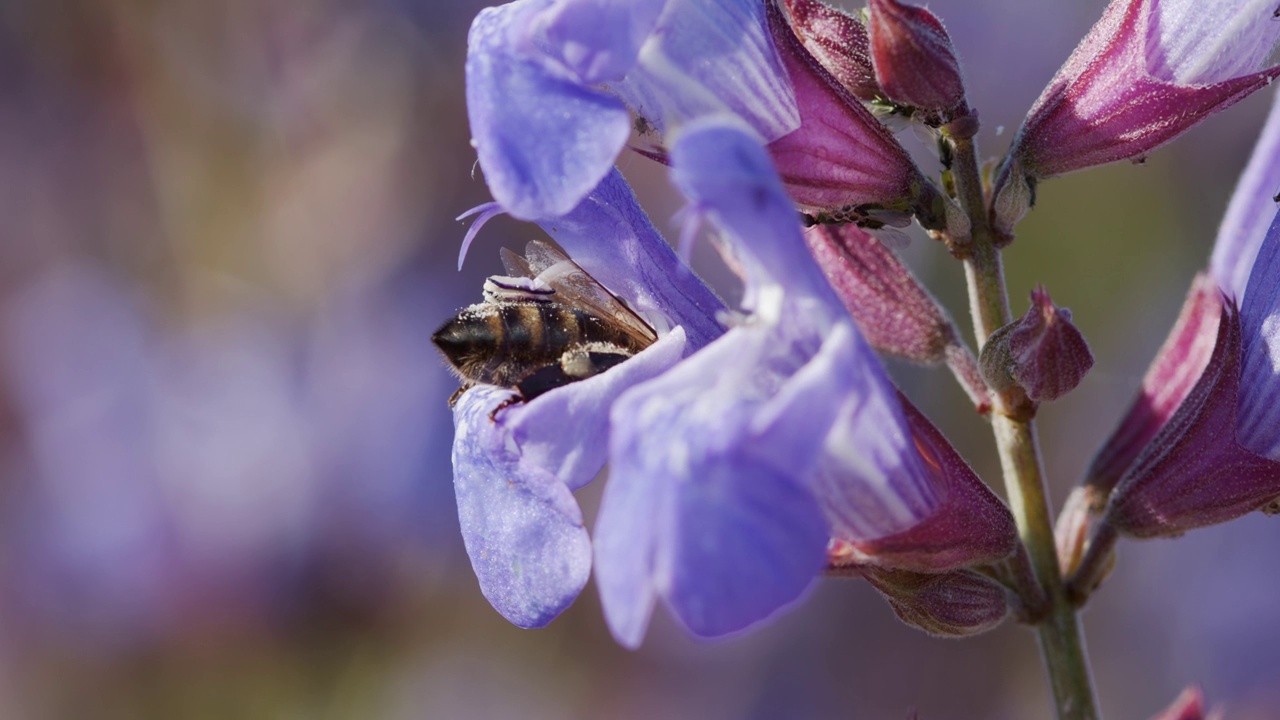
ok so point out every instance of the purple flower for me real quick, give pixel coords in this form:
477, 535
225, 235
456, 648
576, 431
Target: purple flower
733, 471
1202, 443
549, 83
1146, 73
515, 476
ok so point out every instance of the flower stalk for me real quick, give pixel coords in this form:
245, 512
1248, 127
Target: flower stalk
1061, 640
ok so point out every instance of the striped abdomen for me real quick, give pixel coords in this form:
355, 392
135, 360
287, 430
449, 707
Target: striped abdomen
500, 344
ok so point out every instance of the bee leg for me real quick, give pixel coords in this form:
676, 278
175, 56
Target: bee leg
453, 399
577, 364
513, 400
542, 380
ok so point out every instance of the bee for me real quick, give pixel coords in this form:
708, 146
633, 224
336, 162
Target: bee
544, 325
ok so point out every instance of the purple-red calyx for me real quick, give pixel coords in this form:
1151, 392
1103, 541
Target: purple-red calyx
953, 604
1043, 352
925, 572
1147, 72
915, 62
1134, 84
1201, 443
895, 313
839, 42
841, 158
1195, 472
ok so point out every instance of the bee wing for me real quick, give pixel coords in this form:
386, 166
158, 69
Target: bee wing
517, 266
574, 286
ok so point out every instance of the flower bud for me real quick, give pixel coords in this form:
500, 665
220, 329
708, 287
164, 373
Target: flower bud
841, 157
954, 604
915, 62
895, 313
1043, 352
839, 42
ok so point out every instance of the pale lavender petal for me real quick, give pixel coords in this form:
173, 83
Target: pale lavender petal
1193, 42
522, 529
696, 509
871, 481
711, 503
710, 56
544, 140
723, 169
514, 478
610, 236
1251, 210
565, 432
1258, 427
869, 461
595, 40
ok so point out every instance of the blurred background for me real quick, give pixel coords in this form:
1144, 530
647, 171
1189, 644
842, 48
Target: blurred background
226, 234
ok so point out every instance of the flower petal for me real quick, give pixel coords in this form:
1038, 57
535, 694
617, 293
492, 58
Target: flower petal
1250, 212
610, 236
514, 478
544, 140
565, 432
1259, 414
693, 511
722, 168
522, 530
595, 40
1192, 42
711, 56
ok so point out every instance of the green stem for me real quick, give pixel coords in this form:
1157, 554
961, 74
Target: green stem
1061, 641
